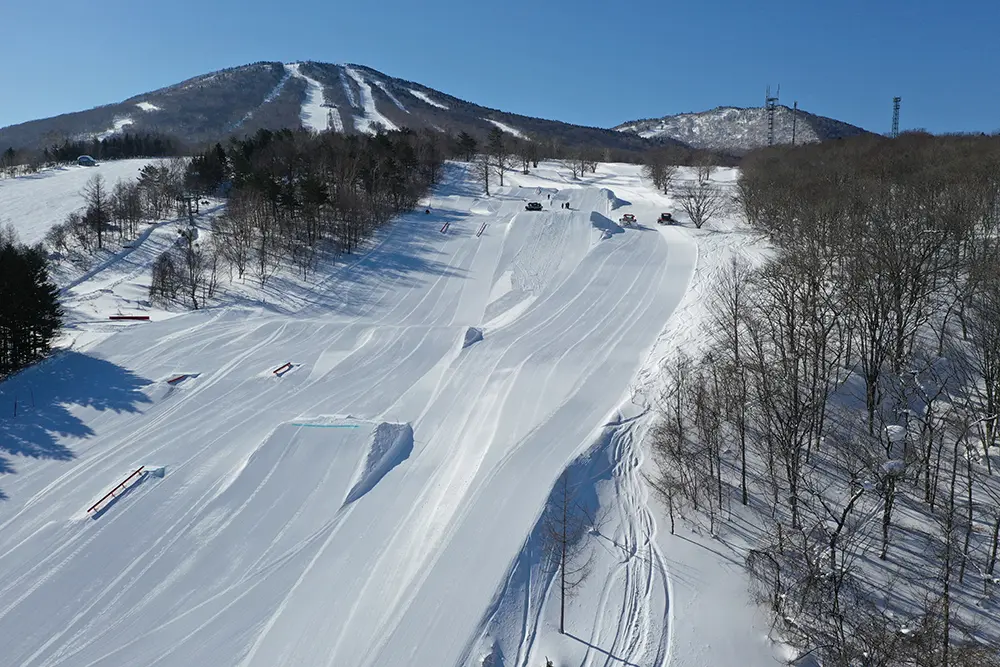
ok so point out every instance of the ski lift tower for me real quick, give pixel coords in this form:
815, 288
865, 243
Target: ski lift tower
771, 104
895, 116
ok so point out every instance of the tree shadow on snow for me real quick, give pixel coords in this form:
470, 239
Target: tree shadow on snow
46, 393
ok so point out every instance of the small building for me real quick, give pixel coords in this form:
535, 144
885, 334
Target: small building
86, 161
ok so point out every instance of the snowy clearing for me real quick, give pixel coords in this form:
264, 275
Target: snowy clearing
315, 115
148, 106
426, 98
372, 114
34, 203
353, 471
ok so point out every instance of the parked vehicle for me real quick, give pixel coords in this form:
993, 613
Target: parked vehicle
533, 206
665, 219
86, 161
627, 220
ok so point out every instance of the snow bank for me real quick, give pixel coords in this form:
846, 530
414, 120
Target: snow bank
391, 445
605, 225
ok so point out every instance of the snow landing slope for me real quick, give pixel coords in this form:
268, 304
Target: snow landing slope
362, 506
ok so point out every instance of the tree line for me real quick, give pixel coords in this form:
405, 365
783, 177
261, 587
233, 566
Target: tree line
848, 392
30, 315
292, 197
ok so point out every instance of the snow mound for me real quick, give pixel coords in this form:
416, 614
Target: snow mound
391, 445
605, 225
472, 336
613, 200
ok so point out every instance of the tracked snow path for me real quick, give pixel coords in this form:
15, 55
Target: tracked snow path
287, 530
315, 115
371, 112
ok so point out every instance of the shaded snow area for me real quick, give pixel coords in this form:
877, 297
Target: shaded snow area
148, 106
426, 98
361, 468
371, 112
316, 115
507, 128
34, 203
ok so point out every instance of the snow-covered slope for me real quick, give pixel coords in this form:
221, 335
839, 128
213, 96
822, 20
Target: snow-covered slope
33, 204
316, 115
739, 130
369, 504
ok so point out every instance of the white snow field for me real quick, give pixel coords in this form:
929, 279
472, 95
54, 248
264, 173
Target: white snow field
375, 503
34, 203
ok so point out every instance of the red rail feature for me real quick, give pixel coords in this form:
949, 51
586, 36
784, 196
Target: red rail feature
128, 317
282, 369
445, 227
481, 230
120, 487
177, 379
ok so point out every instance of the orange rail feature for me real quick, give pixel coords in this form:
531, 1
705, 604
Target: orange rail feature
282, 369
120, 487
177, 379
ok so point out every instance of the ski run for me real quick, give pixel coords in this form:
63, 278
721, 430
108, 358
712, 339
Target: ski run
354, 471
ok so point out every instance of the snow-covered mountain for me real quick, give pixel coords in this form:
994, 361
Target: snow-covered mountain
738, 130
313, 95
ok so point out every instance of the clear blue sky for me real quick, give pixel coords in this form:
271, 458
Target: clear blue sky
581, 61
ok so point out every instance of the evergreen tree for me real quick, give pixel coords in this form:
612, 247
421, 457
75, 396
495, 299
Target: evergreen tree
467, 146
30, 315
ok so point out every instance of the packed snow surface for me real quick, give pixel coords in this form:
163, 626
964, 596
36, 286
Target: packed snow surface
315, 116
374, 502
426, 98
371, 112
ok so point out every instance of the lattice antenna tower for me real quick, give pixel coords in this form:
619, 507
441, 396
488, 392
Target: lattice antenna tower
895, 116
771, 104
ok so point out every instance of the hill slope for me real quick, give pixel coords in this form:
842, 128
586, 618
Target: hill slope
312, 95
738, 130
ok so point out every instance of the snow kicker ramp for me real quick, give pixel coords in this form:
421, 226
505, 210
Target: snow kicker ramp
280, 538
